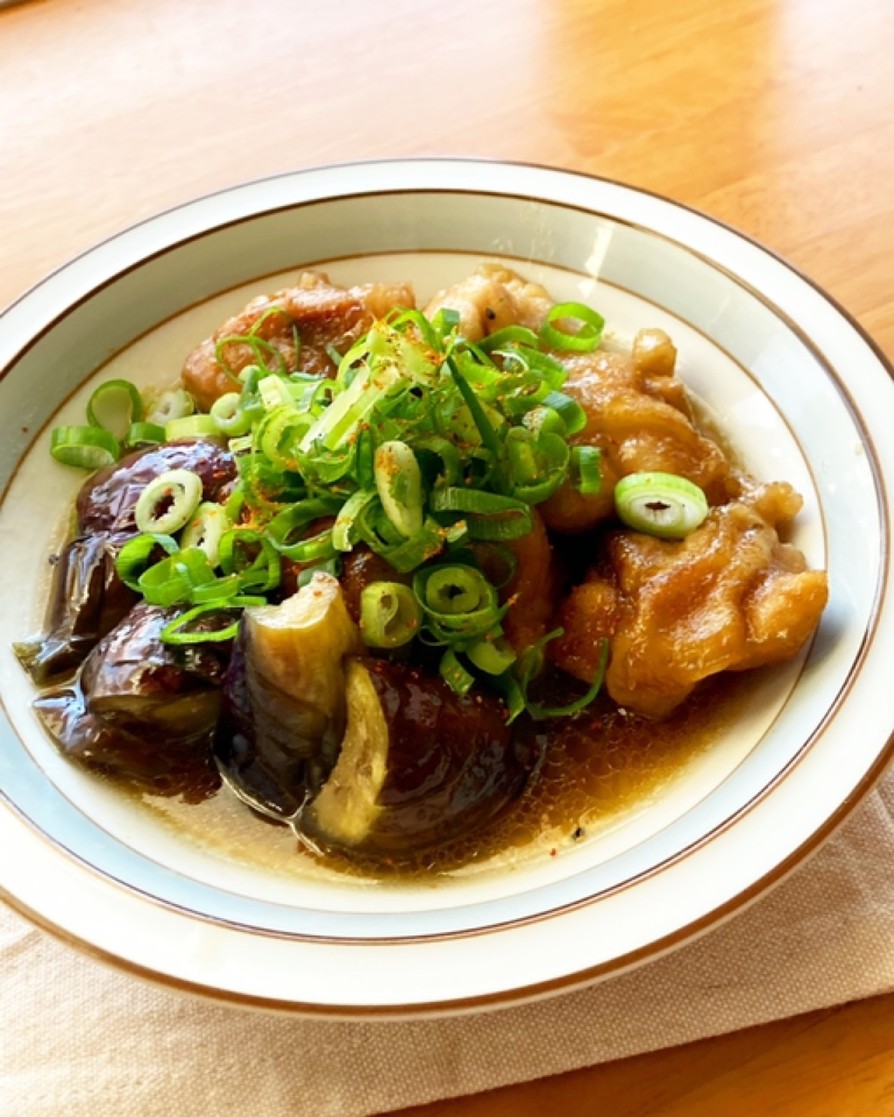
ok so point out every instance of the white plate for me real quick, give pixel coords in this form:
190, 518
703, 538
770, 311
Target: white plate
805, 397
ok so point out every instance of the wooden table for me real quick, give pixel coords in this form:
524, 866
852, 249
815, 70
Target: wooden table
773, 115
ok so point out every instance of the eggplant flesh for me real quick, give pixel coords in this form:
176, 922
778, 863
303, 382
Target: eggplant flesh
419, 767
141, 709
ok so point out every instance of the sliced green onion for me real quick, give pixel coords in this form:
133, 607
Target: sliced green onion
205, 529
181, 631
273, 392
451, 462
191, 426
445, 321
661, 504
541, 419
489, 515
173, 580
168, 501
479, 416
230, 416
508, 335
286, 531
344, 535
419, 548
314, 548
390, 615
341, 420
584, 339
540, 712
144, 434
249, 376
252, 556
455, 589
537, 466
492, 656
133, 558
458, 602
260, 347
114, 406
173, 404
84, 447
399, 484
569, 410
586, 463
510, 690
454, 674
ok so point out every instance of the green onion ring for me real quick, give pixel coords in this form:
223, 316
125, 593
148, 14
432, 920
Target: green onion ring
584, 340
173, 404
114, 406
661, 504
168, 501
84, 447
205, 529
399, 485
230, 416
586, 463
390, 615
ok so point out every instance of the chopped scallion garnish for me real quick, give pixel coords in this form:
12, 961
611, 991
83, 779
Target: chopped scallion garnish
84, 447
168, 501
428, 449
661, 504
114, 406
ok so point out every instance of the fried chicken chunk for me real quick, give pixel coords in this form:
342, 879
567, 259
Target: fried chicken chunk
729, 597
638, 415
324, 315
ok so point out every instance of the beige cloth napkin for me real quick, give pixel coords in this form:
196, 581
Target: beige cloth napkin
85, 1040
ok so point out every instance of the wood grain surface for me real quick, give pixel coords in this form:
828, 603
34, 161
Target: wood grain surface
772, 115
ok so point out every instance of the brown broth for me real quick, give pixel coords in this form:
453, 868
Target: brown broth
598, 769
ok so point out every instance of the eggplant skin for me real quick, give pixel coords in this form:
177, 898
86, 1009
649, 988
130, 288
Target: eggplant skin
452, 765
142, 710
107, 500
87, 600
271, 780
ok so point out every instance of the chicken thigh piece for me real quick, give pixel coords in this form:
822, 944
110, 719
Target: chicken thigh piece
490, 298
639, 416
325, 317
730, 596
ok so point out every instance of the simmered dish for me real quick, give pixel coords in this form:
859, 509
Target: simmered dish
368, 566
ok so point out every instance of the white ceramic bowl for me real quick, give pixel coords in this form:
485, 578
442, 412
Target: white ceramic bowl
804, 396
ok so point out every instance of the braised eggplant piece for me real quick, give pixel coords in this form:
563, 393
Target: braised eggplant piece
283, 712
419, 764
142, 709
87, 600
107, 500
